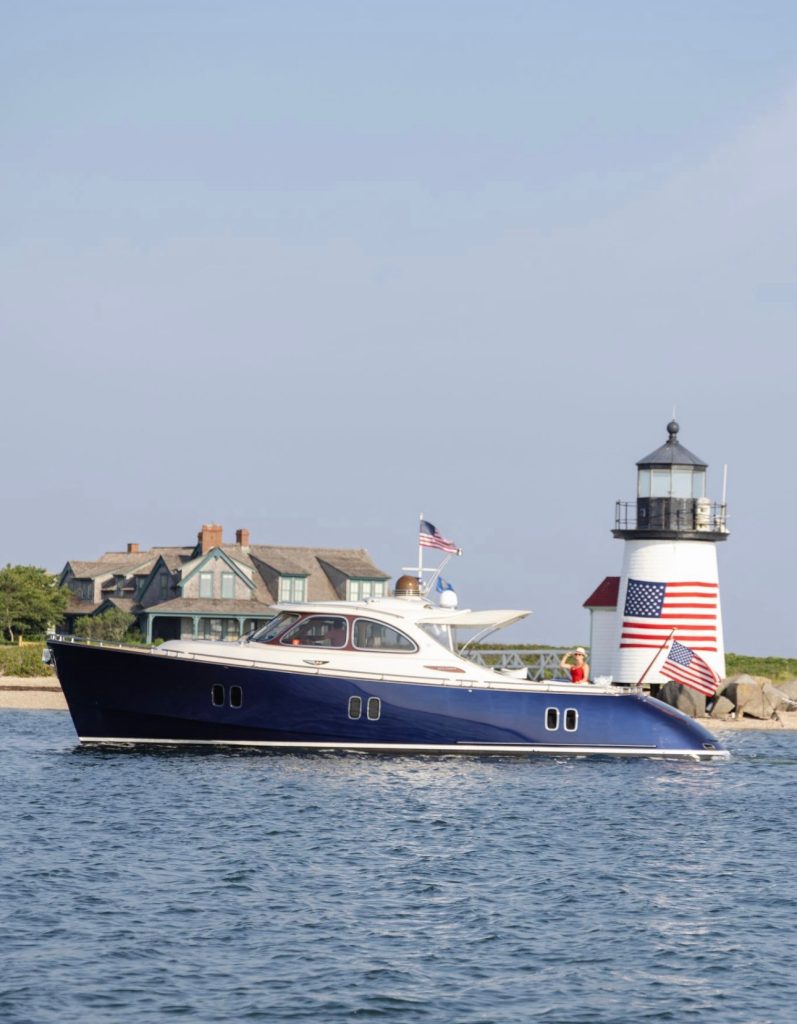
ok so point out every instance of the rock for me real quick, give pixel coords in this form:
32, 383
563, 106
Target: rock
685, 699
722, 708
755, 697
789, 689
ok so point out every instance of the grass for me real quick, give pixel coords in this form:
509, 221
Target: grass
776, 669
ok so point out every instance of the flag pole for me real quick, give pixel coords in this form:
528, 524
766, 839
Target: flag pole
420, 550
655, 656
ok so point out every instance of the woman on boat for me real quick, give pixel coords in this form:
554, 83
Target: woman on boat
579, 672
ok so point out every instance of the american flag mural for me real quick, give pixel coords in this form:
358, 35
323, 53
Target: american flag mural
653, 610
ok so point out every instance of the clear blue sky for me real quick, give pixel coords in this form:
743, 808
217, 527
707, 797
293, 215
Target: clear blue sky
313, 268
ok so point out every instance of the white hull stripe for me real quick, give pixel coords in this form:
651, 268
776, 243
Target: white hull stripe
452, 748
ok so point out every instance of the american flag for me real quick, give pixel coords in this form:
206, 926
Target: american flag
684, 666
430, 538
653, 610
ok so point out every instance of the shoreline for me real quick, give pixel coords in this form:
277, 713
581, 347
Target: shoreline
43, 693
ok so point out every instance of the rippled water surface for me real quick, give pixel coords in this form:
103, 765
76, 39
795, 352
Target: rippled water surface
214, 887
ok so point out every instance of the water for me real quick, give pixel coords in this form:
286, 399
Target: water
144, 887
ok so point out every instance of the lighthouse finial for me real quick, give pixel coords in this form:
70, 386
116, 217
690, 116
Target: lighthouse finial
672, 430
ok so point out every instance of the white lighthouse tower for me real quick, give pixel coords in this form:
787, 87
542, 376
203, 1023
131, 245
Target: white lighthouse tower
669, 585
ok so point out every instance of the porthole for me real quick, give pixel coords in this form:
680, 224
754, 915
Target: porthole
551, 719
374, 708
217, 695
236, 696
355, 707
571, 719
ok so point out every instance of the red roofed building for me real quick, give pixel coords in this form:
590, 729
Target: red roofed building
602, 605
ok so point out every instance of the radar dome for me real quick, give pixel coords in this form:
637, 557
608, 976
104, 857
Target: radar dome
448, 599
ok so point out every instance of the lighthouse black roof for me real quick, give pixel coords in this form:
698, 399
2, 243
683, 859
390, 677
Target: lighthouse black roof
671, 453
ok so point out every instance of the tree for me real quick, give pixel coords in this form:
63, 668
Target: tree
111, 625
30, 601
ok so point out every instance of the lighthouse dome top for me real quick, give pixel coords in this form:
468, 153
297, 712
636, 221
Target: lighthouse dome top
671, 453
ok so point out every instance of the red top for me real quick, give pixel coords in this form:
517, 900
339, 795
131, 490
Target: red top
577, 674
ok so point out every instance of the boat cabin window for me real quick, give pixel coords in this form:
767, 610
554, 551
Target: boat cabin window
370, 635
442, 634
273, 629
318, 631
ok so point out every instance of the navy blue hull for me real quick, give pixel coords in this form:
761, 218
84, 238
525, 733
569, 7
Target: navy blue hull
123, 695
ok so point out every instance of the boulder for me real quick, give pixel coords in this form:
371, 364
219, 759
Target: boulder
685, 699
788, 689
722, 708
755, 697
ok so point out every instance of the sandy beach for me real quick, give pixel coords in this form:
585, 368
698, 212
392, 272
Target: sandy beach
44, 693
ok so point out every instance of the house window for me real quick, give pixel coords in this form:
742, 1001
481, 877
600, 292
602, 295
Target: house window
212, 629
360, 590
206, 584
228, 584
164, 585
292, 589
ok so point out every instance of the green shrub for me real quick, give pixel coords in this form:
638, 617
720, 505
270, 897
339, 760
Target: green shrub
23, 661
776, 669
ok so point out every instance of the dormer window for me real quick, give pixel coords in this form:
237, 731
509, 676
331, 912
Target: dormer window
292, 589
360, 590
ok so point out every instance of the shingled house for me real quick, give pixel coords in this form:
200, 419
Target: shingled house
214, 590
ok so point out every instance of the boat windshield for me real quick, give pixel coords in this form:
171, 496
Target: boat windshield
273, 629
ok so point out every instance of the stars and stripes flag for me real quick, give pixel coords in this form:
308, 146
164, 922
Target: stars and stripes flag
652, 610
684, 666
430, 537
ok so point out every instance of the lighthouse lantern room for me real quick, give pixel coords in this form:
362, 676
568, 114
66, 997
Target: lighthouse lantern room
669, 585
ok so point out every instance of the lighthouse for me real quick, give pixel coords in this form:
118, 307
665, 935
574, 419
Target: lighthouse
669, 585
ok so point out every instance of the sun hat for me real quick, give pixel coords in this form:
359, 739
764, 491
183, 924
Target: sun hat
580, 650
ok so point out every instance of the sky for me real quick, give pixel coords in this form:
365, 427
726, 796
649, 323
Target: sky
317, 268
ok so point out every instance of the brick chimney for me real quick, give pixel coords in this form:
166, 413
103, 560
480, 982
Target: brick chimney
242, 537
132, 549
209, 537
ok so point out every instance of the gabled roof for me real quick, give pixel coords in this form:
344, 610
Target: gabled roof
236, 564
79, 607
605, 594
354, 564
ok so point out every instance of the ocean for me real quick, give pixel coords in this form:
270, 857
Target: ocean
149, 886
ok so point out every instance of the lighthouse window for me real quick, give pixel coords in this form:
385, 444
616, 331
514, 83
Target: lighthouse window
660, 483
643, 483
682, 481
699, 483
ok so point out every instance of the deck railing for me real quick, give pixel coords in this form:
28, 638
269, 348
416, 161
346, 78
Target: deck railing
682, 515
539, 663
